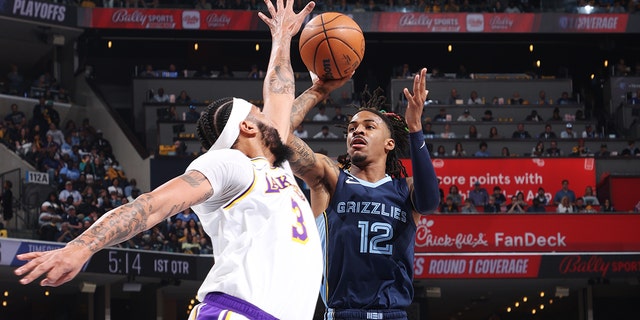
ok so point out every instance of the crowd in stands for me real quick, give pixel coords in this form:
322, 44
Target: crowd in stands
565, 200
349, 6
44, 85
88, 180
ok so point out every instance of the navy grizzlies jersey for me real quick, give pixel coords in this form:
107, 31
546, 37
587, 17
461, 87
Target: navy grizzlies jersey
368, 236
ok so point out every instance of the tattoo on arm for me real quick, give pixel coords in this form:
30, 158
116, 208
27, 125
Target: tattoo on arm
282, 81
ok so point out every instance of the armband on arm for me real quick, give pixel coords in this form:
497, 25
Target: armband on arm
426, 195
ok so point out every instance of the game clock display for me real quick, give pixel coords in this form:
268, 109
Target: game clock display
143, 263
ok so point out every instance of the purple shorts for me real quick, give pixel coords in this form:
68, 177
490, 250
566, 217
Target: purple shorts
218, 305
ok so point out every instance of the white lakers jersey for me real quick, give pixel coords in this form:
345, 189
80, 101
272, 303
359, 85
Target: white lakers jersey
265, 242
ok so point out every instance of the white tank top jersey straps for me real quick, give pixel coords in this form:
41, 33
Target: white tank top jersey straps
265, 242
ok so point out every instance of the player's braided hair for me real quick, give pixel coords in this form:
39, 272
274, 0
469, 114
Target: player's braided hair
213, 120
375, 103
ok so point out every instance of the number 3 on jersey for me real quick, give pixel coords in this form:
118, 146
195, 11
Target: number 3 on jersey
299, 229
381, 232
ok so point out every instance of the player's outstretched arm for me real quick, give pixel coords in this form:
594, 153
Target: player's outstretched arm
425, 194
118, 225
278, 89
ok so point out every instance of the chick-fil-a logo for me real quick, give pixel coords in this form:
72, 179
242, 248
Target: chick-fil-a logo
425, 238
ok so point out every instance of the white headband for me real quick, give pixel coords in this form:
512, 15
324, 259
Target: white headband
239, 111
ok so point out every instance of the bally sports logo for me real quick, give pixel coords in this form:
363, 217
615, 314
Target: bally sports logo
475, 22
190, 19
427, 238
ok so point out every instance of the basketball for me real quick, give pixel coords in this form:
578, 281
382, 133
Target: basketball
331, 45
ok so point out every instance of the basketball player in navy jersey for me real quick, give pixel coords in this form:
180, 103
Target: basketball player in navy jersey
367, 208
267, 252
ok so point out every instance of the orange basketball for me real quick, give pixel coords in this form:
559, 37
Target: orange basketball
331, 45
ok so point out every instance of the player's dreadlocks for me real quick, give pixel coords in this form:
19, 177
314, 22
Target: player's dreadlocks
212, 121
375, 103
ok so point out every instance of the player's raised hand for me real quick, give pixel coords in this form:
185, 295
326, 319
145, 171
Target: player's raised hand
413, 114
284, 16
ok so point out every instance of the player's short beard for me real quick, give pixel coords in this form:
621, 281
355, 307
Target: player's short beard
273, 142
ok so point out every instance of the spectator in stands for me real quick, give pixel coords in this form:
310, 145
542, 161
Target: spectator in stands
132, 185
70, 171
565, 205
47, 222
38, 117
493, 133
468, 207
254, 72
462, 72
479, 195
520, 132
115, 187
16, 117
603, 152
473, 98
69, 195
436, 73
161, 96
473, 133
454, 193
538, 150
449, 206
488, 116
183, 98
466, 7
516, 99
24, 142
447, 133
564, 98
499, 196
301, 132
555, 115
534, 116
621, 69
321, 115
192, 115
635, 98
458, 150
491, 206
56, 134
372, 6
15, 81
482, 150
607, 206
114, 171
453, 96
225, 72
202, 5
338, 115
427, 130
466, 116
589, 198
516, 206
505, 153
441, 152
542, 98
536, 207
541, 196
548, 133
631, 150
203, 72
148, 72
403, 72
441, 116
187, 215
70, 216
512, 7
568, 132
325, 134
553, 150
564, 192
580, 150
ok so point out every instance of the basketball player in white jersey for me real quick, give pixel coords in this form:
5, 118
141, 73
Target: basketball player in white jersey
268, 260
